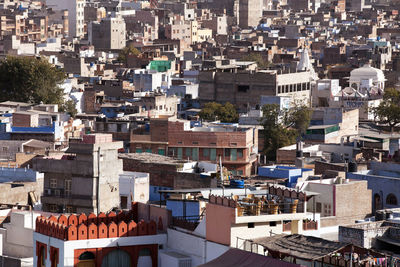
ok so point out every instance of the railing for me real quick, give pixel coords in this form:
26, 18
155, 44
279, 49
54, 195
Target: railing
307, 225
187, 222
310, 225
287, 227
60, 192
251, 209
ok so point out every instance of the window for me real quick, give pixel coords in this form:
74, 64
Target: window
188, 152
327, 209
179, 153
69, 209
68, 187
213, 154
206, 152
53, 183
161, 151
240, 153
227, 152
240, 172
250, 225
273, 224
195, 153
195, 143
391, 200
5, 149
53, 208
243, 88
233, 154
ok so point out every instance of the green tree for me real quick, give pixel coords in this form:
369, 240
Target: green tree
28, 79
214, 111
388, 111
283, 127
70, 108
126, 51
261, 62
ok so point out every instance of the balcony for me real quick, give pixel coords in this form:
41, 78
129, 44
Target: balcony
58, 196
307, 225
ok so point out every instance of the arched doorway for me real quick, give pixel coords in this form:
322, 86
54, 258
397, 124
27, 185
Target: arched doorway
377, 202
86, 259
117, 258
391, 200
42, 257
145, 259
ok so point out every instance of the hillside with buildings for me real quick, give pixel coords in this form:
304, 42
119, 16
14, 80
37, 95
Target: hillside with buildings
180, 133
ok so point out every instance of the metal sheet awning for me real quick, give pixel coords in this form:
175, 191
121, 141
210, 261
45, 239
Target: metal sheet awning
241, 258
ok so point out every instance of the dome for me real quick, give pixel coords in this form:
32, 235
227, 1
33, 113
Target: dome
367, 72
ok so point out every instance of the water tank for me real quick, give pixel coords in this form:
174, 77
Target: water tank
236, 183
380, 215
389, 215
352, 167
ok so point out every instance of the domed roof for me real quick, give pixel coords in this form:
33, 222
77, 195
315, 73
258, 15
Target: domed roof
367, 71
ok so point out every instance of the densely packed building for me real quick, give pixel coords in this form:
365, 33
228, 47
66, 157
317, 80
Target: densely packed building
203, 133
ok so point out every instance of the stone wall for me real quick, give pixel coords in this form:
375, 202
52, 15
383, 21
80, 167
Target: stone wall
11, 194
321, 167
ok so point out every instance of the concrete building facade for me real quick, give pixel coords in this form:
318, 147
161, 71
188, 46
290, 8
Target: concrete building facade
76, 14
109, 34
250, 13
86, 179
236, 147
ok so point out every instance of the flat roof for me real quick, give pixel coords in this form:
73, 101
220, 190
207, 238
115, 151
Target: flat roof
13, 103
151, 158
314, 127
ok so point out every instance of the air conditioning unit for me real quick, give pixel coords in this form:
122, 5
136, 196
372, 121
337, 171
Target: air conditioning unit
175, 259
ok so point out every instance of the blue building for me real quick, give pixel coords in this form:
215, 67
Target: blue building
283, 172
384, 181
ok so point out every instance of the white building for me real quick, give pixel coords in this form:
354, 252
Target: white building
367, 80
151, 80
76, 10
133, 187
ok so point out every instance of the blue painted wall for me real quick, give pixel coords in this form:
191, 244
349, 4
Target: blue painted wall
177, 207
154, 195
381, 185
290, 173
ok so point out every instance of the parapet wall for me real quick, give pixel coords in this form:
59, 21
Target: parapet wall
82, 227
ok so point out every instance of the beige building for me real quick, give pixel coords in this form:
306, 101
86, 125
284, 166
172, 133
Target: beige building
250, 13
109, 34
76, 14
340, 200
332, 125
85, 179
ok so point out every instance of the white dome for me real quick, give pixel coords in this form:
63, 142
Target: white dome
367, 72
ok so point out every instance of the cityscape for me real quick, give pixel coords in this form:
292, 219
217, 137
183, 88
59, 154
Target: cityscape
209, 133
